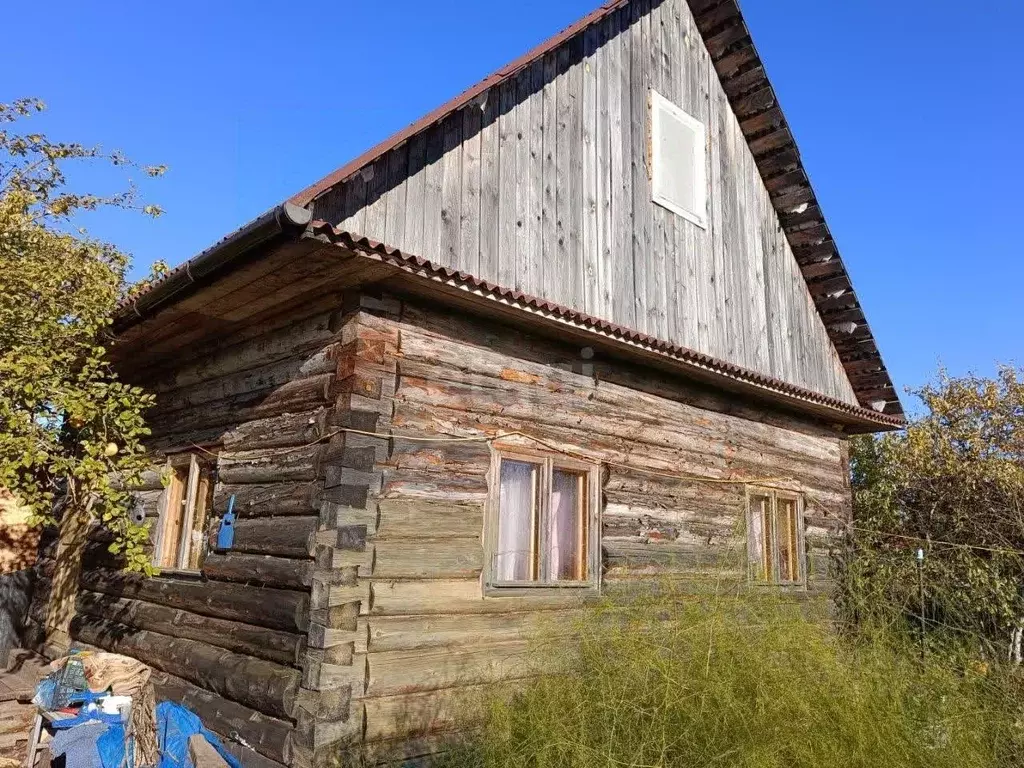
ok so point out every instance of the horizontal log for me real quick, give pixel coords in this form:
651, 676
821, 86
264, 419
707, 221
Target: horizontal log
463, 458
275, 374
429, 712
270, 644
270, 736
269, 465
306, 335
458, 596
394, 672
261, 606
405, 633
284, 536
434, 486
425, 518
288, 429
268, 500
296, 396
446, 558
282, 572
261, 685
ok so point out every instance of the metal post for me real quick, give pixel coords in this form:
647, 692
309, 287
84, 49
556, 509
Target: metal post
920, 588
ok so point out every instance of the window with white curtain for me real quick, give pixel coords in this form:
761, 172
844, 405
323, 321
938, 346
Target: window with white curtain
775, 544
543, 522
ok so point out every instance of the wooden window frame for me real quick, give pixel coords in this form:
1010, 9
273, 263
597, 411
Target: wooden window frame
591, 556
754, 570
178, 547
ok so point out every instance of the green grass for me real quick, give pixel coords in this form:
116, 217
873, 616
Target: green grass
742, 683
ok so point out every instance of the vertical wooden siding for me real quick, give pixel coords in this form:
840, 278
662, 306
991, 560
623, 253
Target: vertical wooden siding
545, 188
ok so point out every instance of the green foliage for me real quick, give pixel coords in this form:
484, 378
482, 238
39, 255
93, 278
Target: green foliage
69, 430
739, 683
953, 484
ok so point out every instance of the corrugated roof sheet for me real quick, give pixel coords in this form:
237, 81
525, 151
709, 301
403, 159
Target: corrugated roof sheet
425, 267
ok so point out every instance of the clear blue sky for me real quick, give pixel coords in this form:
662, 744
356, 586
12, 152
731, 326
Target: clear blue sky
907, 114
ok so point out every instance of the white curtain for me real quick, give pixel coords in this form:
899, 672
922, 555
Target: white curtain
564, 527
516, 511
760, 508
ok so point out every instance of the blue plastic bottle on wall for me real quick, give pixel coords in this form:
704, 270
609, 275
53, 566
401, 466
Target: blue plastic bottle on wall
226, 534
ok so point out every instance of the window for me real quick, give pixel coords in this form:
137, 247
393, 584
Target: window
775, 523
678, 162
543, 529
181, 534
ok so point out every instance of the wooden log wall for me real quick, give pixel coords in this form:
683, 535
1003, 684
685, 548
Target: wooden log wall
244, 642
417, 637
543, 185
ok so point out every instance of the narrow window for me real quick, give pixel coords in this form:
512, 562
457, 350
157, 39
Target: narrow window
774, 522
181, 535
678, 161
542, 515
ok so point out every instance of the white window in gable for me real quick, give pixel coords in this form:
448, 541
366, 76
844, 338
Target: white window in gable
678, 161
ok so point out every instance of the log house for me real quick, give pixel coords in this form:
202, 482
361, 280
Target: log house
582, 326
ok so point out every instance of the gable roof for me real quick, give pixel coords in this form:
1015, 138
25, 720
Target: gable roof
771, 142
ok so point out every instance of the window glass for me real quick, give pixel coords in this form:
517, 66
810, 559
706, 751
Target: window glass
542, 533
761, 536
188, 499
567, 526
789, 562
515, 559
774, 525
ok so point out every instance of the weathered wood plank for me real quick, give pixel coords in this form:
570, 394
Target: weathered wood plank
265, 607
261, 685
276, 572
406, 633
396, 204
436, 558
283, 536
490, 185
394, 672
273, 645
451, 192
414, 518
270, 736
270, 465
455, 596
507, 180
469, 209
269, 500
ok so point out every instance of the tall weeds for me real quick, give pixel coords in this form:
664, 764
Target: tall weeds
741, 683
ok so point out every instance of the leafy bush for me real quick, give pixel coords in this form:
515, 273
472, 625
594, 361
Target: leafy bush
740, 683
952, 484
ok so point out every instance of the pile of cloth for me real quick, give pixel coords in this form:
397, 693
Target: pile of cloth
85, 684
111, 716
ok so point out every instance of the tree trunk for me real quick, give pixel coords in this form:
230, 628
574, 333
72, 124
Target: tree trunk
67, 567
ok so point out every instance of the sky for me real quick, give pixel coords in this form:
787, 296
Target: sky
907, 115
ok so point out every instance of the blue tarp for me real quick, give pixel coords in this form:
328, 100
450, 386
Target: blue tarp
174, 725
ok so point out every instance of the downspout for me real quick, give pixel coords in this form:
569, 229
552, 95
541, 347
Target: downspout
285, 218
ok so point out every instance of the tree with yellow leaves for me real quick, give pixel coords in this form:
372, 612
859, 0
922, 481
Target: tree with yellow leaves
952, 486
69, 430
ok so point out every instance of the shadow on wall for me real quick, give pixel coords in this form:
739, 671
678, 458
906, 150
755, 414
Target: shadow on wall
18, 545
15, 595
